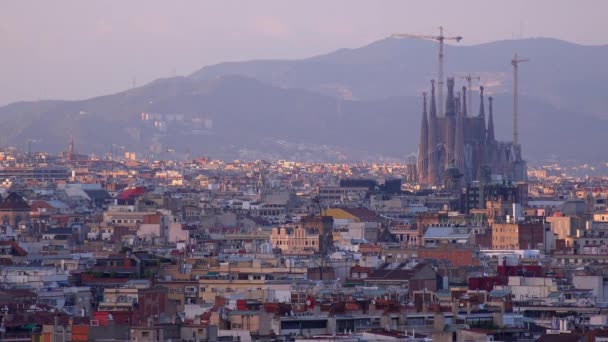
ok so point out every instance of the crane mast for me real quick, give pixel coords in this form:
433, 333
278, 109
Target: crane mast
440, 38
515, 62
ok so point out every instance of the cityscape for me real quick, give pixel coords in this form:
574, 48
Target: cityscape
405, 190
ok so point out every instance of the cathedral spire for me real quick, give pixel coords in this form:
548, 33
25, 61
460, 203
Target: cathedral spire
450, 106
465, 111
432, 159
482, 111
71, 146
457, 103
423, 147
490, 134
433, 106
459, 136
451, 114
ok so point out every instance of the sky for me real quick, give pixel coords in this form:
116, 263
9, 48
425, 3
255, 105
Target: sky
74, 49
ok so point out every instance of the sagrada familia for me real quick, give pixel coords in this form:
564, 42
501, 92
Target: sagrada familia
462, 145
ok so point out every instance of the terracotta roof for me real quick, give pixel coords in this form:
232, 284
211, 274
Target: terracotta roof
131, 193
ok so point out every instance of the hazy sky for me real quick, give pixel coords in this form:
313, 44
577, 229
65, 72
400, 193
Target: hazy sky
77, 49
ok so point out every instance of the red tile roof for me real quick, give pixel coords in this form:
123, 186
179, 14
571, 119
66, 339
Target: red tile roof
131, 193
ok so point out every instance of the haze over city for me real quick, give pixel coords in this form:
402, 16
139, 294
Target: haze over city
97, 48
303, 171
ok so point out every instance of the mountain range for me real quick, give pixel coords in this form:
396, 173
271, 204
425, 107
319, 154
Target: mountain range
351, 104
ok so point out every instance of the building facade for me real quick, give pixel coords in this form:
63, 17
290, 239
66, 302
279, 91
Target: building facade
295, 240
518, 235
14, 210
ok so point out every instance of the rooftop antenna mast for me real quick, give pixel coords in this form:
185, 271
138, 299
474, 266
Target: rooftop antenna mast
440, 38
515, 62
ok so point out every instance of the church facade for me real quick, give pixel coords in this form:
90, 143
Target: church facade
463, 141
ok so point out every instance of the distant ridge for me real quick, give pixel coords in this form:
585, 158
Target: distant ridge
351, 104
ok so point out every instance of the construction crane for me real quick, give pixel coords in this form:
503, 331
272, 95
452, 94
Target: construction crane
469, 78
440, 38
515, 62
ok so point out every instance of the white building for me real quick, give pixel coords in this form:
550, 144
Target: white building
446, 235
523, 288
29, 277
